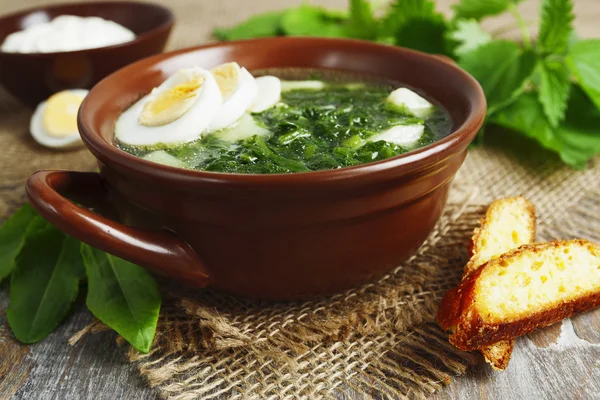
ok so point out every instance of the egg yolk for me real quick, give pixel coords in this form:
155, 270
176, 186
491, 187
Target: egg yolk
227, 76
60, 114
171, 103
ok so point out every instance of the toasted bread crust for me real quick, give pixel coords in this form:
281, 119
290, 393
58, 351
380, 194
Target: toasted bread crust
471, 332
498, 354
449, 312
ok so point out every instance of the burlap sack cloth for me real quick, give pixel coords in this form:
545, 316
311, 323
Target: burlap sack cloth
378, 340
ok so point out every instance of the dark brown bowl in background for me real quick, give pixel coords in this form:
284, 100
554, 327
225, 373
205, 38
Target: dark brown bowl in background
280, 236
32, 77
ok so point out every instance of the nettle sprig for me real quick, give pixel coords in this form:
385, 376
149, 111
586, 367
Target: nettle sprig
547, 90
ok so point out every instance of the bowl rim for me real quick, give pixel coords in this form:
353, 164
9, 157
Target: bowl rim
165, 25
413, 160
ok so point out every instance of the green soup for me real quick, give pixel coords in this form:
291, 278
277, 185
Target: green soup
310, 129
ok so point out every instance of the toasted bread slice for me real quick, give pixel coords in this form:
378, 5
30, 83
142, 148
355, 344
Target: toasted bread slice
508, 224
525, 289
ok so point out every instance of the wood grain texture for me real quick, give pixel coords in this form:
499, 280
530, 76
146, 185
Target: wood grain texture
93, 369
560, 362
587, 326
566, 369
545, 337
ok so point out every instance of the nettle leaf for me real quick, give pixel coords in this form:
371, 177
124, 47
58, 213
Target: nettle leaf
468, 35
579, 131
12, 237
576, 140
525, 115
402, 11
555, 26
424, 35
308, 20
416, 24
502, 68
362, 23
479, 9
262, 25
584, 61
554, 89
123, 296
44, 284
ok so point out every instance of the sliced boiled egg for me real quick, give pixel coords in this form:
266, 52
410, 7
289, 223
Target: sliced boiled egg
177, 111
402, 135
54, 122
238, 89
286, 86
269, 93
414, 103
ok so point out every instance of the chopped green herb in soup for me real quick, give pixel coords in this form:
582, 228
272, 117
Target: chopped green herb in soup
310, 126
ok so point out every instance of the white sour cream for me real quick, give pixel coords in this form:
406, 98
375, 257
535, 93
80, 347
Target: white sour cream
67, 33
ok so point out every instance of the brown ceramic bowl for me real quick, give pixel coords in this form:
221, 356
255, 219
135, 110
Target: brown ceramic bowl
279, 236
32, 77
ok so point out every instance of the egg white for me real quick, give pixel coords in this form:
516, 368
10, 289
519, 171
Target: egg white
269, 93
402, 135
41, 135
237, 104
186, 128
414, 103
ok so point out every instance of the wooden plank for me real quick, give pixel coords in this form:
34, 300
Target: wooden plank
95, 368
569, 368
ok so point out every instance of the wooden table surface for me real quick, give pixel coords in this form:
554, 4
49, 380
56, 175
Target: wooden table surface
560, 362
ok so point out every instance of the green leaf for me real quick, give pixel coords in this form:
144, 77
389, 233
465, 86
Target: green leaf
415, 24
362, 23
262, 25
12, 237
555, 26
44, 284
468, 35
424, 35
123, 296
478, 9
402, 11
576, 140
579, 132
307, 20
502, 68
525, 115
554, 90
584, 62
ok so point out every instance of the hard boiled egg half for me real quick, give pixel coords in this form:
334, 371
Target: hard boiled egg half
54, 121
177, 111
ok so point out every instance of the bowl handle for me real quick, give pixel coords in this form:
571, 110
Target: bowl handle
160, 252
